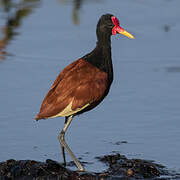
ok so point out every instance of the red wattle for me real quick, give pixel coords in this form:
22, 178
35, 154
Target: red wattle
116, 27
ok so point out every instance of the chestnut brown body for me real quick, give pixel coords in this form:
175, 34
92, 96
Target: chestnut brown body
80, 83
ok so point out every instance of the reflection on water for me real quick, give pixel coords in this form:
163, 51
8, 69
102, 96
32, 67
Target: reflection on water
167, 27
76, 7
173, 69
15, 13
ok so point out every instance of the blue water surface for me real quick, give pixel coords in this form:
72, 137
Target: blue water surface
143, 105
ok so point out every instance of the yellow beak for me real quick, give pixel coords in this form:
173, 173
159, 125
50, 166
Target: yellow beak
125, 33
120, 30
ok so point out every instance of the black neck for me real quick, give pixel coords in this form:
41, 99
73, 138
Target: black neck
101, 56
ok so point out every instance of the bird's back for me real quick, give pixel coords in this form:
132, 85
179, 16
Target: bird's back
78, 86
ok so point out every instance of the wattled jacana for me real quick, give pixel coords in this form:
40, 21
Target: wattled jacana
83, 84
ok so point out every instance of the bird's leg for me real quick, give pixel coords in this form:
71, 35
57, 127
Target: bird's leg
64, 145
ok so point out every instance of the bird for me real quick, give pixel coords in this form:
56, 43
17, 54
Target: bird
83, 84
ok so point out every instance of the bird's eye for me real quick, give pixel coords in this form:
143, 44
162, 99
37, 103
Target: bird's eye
110, 25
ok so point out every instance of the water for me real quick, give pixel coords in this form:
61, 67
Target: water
142, 107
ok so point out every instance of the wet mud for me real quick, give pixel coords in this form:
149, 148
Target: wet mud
119, 167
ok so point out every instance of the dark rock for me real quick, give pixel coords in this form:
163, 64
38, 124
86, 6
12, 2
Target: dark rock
119, 168
119, 165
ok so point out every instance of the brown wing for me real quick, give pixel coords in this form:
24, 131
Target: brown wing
80, 83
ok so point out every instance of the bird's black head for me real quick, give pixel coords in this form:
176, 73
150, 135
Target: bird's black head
105, 24
109, 25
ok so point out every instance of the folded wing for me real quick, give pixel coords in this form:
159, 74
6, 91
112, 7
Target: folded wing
78, 86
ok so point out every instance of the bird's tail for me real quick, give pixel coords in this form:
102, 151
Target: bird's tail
37, 117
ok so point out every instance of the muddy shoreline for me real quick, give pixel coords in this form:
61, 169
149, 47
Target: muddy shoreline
118, 167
